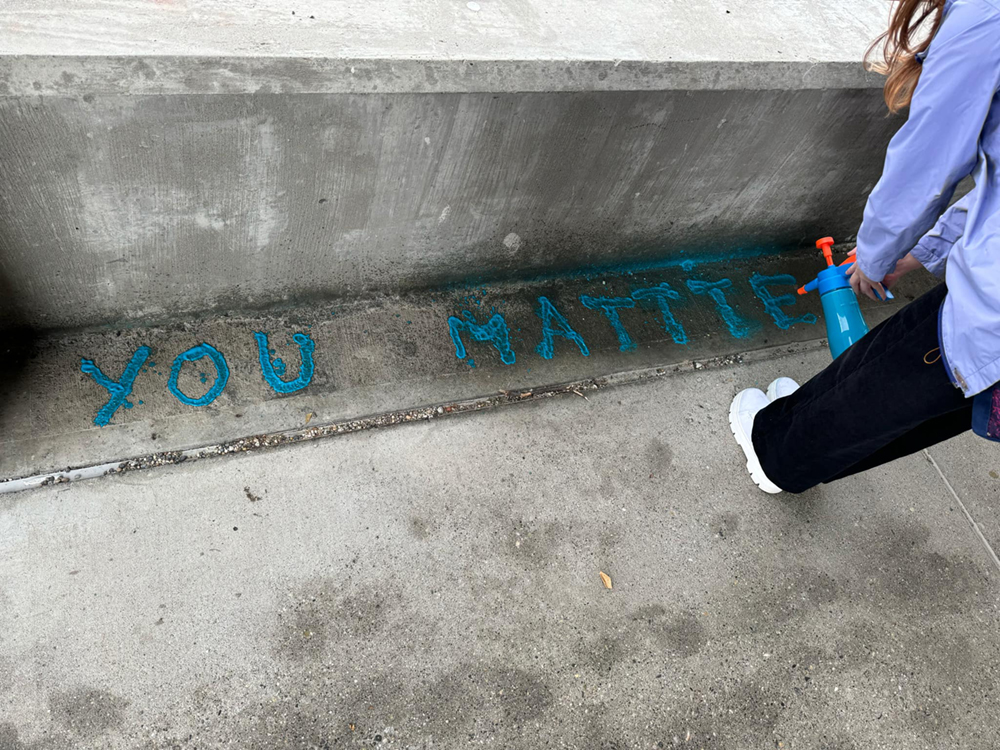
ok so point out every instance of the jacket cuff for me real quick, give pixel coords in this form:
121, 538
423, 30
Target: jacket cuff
934, 259
875, 270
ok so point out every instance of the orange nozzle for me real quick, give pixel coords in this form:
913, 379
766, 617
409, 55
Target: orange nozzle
825, 245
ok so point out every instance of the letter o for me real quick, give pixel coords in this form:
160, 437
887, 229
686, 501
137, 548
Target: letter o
192, 355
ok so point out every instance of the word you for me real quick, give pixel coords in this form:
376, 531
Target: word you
271, 369
554, 323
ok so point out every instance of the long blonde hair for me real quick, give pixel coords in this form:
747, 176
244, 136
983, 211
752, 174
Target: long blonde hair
898, 58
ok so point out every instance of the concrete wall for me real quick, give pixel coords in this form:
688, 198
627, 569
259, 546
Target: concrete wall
136, 188
126, 207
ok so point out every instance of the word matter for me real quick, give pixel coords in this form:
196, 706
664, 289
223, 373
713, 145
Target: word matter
555, 325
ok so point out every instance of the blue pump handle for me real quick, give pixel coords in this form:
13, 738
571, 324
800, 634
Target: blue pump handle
814, 284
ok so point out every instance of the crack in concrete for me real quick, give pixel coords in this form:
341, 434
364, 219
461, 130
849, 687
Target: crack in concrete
968, 516
387, 419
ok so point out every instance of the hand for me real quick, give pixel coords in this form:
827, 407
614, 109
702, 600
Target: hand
861, 284
903, 266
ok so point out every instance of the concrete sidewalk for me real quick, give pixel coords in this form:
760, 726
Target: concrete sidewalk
438, 585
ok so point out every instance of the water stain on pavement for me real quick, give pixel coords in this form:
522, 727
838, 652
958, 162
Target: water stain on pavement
87, 712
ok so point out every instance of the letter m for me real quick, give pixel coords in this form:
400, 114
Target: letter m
495, 332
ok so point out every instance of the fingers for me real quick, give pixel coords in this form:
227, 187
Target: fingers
862, 285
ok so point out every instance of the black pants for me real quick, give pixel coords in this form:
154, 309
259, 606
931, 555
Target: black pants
886, 397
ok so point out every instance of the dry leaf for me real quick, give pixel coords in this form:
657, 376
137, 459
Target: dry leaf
351, 726
607, 579
308, 417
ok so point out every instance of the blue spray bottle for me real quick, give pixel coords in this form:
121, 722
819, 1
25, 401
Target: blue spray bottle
844, 322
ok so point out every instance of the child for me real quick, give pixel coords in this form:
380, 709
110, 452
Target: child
931, 371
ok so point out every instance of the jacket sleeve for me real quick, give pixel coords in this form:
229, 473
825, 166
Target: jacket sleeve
939, 144
933, 249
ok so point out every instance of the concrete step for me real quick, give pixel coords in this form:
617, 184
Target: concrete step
201, 386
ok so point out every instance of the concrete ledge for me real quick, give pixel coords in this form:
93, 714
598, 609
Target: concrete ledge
386, 356
100, 47
670, 30
80, 77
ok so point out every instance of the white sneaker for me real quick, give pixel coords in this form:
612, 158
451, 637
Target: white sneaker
780, 388
741, 415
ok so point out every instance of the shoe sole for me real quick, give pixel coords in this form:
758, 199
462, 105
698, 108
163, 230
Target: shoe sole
746, 443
